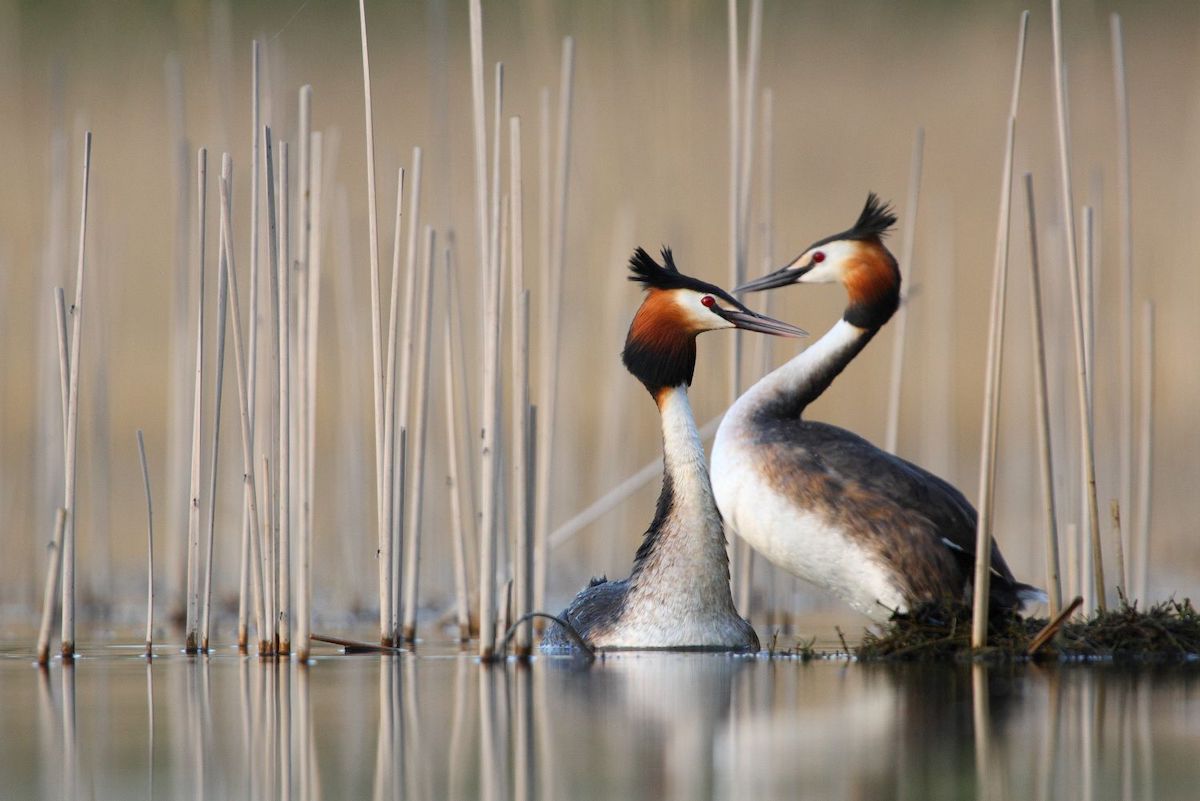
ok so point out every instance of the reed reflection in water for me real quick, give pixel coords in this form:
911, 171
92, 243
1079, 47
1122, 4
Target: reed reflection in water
657, 726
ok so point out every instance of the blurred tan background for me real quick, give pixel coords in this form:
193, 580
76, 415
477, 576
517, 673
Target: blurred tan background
649, 165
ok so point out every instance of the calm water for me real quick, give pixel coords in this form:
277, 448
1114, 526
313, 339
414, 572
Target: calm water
437, 725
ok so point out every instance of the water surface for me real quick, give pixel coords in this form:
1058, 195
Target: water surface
436, 725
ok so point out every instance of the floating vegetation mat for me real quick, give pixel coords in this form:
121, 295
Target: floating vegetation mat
1168, 631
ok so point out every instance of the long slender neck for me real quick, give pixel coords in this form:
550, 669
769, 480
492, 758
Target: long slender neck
787, 391
686, 534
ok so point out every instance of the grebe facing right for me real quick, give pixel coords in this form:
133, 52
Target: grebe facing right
677, 595
879, 532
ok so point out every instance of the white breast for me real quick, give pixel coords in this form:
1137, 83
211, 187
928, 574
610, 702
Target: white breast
801, 541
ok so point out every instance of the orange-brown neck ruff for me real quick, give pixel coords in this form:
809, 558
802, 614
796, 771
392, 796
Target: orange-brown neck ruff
660, 350
873, 287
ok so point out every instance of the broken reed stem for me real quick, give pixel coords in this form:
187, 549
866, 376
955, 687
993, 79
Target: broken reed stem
390, 508
991, 407
284, 466
248, 578
193, 550
1051, 628
72, 437
552, 327
1042, 402
900, 326
415, 495
316, 158
1085, 422
1145, 454
64, 357
459, 497
53, 569
219, 383
149, 546
1125, 212
406, 356
522, 552
386, 631
244, 413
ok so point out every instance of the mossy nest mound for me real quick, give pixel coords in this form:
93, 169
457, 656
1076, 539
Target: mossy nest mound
1168, 631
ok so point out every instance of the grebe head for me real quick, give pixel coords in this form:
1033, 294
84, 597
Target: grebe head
856, 257
660, 348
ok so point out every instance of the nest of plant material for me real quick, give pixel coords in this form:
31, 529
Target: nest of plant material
941, 631
1165, 632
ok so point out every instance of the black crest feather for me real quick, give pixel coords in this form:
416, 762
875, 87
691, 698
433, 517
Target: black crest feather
646, 271
659, 276
875, 221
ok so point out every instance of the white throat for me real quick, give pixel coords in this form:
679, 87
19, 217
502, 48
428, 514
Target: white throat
793, 376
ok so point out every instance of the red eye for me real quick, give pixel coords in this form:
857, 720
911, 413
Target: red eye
818, 257
709, 301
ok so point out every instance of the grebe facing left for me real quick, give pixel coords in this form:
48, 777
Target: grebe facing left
677, 595
821, 502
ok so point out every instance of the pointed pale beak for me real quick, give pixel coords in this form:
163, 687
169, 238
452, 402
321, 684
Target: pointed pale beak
752, 321
781, 277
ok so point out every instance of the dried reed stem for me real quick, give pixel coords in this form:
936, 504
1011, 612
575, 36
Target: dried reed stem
68, 546
494, 233
270, 494
900, 325
490, 466
1085, 421
416, 494
219, 382
386, 629
460, 519
991, 407
192, 643
1042, 402
390, 509
267, 645
244, 409
406, 355
53, 567
299, 419
249, 579
1125, 212
741, 171
284, 466
304, 596
149, 546
1114, 510
64, 358
1145, 454
552, 326
522, 554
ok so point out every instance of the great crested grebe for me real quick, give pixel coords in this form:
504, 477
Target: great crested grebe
677, 595
823, 503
